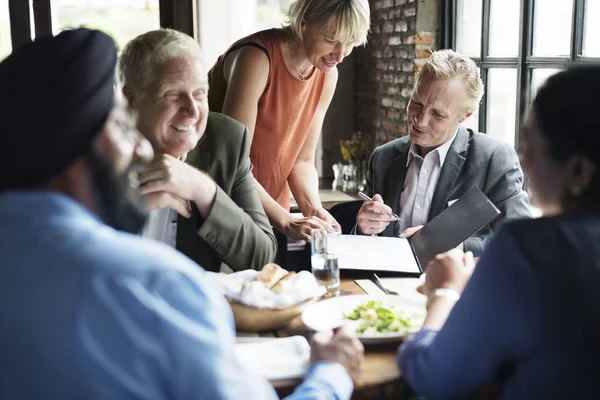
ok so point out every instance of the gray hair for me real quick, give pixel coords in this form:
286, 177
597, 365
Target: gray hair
148, 50
351, 17
448, 64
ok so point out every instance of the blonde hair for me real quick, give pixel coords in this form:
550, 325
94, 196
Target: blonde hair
142, 54
448, 64
351, 17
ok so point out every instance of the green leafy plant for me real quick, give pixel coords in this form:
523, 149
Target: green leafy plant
358, 148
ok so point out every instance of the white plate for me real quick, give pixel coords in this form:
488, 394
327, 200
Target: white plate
329, 314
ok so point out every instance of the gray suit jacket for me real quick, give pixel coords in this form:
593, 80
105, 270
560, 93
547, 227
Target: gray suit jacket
474, 159
237, 231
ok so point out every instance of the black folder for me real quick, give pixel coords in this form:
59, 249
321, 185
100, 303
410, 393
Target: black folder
454, 225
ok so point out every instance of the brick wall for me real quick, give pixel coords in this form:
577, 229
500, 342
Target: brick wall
385, 68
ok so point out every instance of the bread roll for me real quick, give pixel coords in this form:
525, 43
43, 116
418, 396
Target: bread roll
283, 284
270, 274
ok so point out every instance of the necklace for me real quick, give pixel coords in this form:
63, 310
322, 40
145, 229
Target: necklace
302, 76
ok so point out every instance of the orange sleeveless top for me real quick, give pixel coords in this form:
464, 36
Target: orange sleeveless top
285, 112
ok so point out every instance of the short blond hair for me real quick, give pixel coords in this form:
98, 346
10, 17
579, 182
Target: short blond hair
142, 55
448, 64
351, 17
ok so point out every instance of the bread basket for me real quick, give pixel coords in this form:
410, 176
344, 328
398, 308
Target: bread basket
258, 319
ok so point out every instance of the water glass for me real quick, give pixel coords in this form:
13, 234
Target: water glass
324, 262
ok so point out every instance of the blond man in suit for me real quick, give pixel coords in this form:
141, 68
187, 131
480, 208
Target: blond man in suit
421, 174
200, 188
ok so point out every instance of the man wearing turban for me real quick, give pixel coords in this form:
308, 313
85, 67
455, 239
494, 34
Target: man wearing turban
88, 311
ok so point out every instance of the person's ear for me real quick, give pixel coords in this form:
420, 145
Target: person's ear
303, 28
465, 117
581, 172
129, 96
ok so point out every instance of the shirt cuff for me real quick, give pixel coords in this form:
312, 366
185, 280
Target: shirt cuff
333, 375
423, 338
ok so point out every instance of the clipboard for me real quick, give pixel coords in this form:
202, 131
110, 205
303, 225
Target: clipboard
454, 225
447, 230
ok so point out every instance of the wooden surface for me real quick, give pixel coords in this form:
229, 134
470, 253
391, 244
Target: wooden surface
330, 198
380, 367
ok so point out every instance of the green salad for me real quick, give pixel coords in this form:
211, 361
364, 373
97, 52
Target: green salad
373, 318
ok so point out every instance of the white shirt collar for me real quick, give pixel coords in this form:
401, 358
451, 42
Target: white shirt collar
441, 150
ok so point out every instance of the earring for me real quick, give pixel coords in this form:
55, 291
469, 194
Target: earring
576, 190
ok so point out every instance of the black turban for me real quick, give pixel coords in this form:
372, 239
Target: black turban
56, 94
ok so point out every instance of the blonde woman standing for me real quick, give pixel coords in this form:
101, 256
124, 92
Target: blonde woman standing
279, 83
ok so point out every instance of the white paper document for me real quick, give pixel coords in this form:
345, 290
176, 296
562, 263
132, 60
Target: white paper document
375, 253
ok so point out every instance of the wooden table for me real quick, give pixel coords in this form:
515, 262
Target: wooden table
380, 377
330, 198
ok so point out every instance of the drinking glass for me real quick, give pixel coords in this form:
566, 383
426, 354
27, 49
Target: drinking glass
324, 262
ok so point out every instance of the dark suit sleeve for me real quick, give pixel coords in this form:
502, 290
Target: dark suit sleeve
246, 239
504, 187
369, 185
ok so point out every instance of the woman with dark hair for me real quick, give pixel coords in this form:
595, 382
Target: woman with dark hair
528, 320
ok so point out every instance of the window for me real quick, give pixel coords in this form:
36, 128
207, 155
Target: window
5, 43
25, 20
225, 21
518, 44
122, 19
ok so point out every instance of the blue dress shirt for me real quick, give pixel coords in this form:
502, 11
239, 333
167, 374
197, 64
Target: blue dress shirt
87, 312
527, 321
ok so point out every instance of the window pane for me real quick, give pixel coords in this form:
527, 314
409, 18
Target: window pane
123, 20
5, 43
538, 78
504, 28
552, 27
502, 104
591, 33
468, 27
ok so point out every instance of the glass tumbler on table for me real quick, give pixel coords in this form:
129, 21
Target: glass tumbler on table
324, 263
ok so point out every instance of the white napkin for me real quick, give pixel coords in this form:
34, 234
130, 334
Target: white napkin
405, 287
275, 358
303, 286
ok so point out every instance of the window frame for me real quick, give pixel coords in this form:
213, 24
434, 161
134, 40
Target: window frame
525, 62
175, 14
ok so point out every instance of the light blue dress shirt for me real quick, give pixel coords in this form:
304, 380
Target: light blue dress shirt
87, 312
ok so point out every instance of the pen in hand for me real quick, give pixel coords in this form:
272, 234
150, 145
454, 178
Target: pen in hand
367, 198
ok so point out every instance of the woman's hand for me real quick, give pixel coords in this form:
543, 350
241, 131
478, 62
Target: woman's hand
300, 228
450, 270
325, 216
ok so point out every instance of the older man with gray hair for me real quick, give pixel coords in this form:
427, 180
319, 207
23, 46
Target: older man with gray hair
200, 188
419, 175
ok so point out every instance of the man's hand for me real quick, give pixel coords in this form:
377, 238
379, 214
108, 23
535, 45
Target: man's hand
169, 181
373, 216
157, 200
341, 347
451, 270
300, 228
325, 216
408, 232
